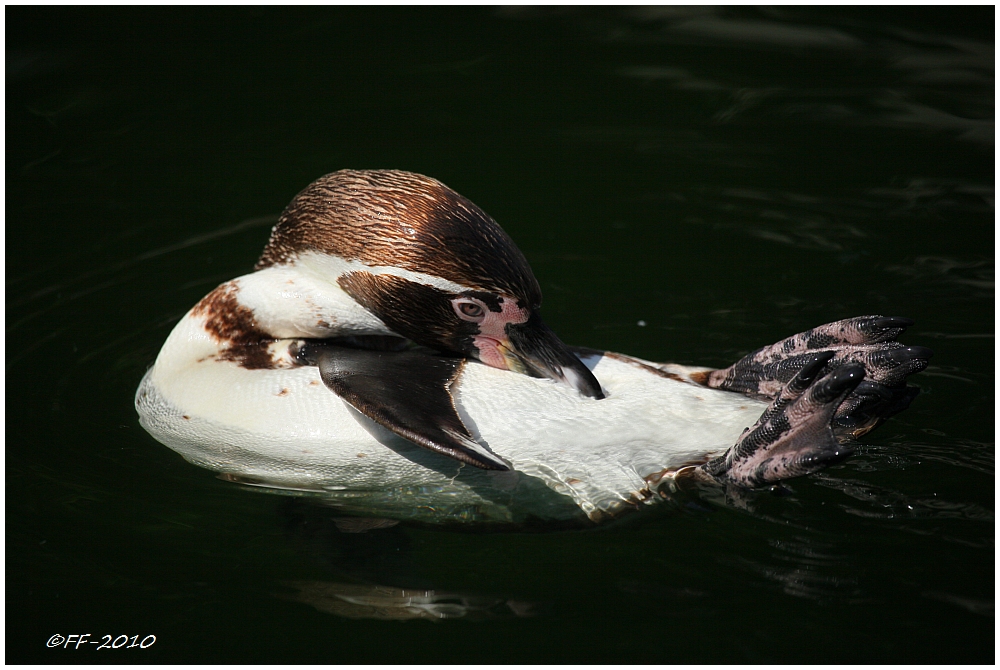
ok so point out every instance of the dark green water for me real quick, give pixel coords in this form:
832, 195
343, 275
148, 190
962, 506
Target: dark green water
729, 177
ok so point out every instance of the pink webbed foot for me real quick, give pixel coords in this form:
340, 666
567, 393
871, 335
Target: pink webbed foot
865, 341
794, 435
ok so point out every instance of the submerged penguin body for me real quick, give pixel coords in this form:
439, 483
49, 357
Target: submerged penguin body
570, 455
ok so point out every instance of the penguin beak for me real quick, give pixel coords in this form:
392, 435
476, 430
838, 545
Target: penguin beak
533, 349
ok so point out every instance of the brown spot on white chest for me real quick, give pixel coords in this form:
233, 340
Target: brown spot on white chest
235, 328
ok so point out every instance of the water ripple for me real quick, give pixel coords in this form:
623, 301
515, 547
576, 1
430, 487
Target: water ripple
884, 503
981, 607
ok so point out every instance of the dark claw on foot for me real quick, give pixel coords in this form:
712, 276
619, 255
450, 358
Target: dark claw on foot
886, 322
881, 328
907, 354
810, 370
889, 364
868, 406
836, 383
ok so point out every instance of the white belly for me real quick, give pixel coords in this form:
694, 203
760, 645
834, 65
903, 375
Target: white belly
284, 429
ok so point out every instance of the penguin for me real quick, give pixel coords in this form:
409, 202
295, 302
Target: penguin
381, 258
388, 351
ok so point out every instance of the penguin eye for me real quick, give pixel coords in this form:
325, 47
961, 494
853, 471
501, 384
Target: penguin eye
469, 310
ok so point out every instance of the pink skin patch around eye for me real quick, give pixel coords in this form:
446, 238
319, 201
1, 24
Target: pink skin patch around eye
492, 335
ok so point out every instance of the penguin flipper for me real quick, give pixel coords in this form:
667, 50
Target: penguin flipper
868, 341
408, 392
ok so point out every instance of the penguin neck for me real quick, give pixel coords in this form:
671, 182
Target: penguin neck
303, 298
296, 301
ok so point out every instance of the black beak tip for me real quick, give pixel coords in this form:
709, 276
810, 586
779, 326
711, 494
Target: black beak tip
589, 386
543, 352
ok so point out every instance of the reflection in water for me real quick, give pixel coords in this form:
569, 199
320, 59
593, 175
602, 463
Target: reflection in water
807, 567
982, 607
759, 33
357, 601
962, 453
376, 573
885, 503
803, 561
377, 576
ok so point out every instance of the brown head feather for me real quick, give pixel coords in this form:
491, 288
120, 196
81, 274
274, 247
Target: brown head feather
402, 219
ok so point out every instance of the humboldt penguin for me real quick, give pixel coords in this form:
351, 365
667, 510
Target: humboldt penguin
380, 258
421, 316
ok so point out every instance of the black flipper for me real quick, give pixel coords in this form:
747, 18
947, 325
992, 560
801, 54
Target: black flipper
868, 341
793, 436
407, 392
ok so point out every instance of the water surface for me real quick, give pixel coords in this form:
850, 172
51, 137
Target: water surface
726, 177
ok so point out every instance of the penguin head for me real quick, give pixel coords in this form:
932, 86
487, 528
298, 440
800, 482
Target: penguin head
431, 265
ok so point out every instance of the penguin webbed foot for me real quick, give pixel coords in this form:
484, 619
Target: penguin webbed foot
865, 341
794, 436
